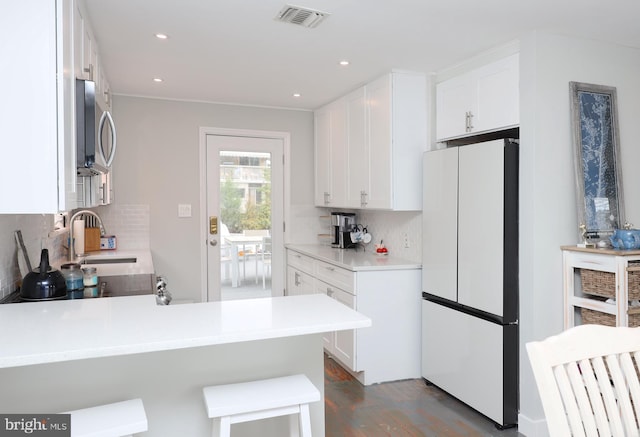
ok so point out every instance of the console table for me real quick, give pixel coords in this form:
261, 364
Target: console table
621, 270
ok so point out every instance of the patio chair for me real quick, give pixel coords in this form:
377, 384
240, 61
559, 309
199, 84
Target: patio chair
266, 260
587, 378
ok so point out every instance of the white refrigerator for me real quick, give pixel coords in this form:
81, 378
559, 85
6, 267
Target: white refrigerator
470, 276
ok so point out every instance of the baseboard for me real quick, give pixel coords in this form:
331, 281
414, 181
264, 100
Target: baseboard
532, 428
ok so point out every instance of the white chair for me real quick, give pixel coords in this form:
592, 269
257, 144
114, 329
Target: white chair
119, 419
252, 250
225, 252
587, 377
266, 259
254, 400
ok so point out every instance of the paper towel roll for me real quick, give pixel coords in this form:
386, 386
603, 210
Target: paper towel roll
78, 234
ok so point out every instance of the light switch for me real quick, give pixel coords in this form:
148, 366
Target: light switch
184, 210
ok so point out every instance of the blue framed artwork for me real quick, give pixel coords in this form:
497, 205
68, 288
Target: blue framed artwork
597, 153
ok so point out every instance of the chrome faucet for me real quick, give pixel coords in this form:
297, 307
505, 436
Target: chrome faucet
72, 240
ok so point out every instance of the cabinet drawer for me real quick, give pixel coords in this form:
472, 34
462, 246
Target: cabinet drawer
300, 261
336, 276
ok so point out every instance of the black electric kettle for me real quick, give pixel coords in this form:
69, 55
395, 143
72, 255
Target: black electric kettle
43, 283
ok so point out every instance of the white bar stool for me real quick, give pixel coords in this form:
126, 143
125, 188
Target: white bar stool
120, 419
254, 400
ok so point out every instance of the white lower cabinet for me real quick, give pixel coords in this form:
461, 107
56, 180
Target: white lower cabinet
340, 344
390, 349
298, 282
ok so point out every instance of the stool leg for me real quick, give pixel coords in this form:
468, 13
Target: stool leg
305, 421
294, 425
222, 426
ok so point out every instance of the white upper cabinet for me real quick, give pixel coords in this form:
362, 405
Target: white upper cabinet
483, 100
53, 44
37, 130
331, 154
385, 137
358, 146
87, 62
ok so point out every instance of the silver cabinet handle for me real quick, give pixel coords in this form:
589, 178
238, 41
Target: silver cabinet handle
470, 118
327, 198
363, 198
89, 70
329, 292
297, 278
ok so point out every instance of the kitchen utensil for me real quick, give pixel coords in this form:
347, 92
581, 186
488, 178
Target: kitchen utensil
25, 265
91, 239
43, 282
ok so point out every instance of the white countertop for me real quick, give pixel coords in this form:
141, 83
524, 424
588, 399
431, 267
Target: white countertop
46, 332
354, 260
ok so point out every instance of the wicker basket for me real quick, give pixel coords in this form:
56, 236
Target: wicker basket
603, 284
599, 318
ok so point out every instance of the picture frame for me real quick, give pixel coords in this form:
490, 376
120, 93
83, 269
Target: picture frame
599, 194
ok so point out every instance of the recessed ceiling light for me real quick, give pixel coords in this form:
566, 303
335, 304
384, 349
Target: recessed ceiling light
296, 94
162, 36
344, 63
157, 79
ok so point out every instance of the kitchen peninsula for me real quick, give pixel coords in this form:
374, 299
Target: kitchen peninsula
64, 355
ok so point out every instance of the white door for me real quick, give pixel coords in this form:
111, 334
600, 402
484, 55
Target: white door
245, 217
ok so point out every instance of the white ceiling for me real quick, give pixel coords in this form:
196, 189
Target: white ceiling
234, 51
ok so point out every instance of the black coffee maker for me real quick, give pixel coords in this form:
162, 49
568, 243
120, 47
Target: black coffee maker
342, 224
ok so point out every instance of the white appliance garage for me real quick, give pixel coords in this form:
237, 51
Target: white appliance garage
470, 276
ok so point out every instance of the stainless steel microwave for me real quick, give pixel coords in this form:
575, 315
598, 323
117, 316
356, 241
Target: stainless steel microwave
90, 124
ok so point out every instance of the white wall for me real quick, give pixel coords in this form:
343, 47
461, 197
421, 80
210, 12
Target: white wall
548, 217
157, 165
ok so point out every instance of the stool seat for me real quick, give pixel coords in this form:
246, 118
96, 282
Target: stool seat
111, 420
253, 400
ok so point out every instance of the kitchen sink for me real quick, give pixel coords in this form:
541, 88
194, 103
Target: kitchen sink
110, 260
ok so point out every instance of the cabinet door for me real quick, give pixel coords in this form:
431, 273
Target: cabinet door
358, 147
379, 103
454, 98
331, 155
299, 282
341, 344
322, 157
497, 91
37, 169
440, 223
78, 43
345, 341
481, 226
338, 161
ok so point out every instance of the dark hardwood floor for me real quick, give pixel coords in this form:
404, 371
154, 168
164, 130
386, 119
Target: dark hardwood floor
405, 409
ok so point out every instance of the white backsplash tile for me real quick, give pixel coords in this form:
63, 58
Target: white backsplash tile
129, 223
35, 233
389, 226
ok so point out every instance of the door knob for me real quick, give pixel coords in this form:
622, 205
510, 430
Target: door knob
213, 242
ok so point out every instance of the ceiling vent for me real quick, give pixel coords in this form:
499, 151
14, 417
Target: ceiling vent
301, 16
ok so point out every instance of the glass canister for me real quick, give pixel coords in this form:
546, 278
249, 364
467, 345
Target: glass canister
90, 280
75, 281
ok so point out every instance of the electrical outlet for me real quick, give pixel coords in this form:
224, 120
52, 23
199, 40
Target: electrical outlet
406, 240
184, 210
